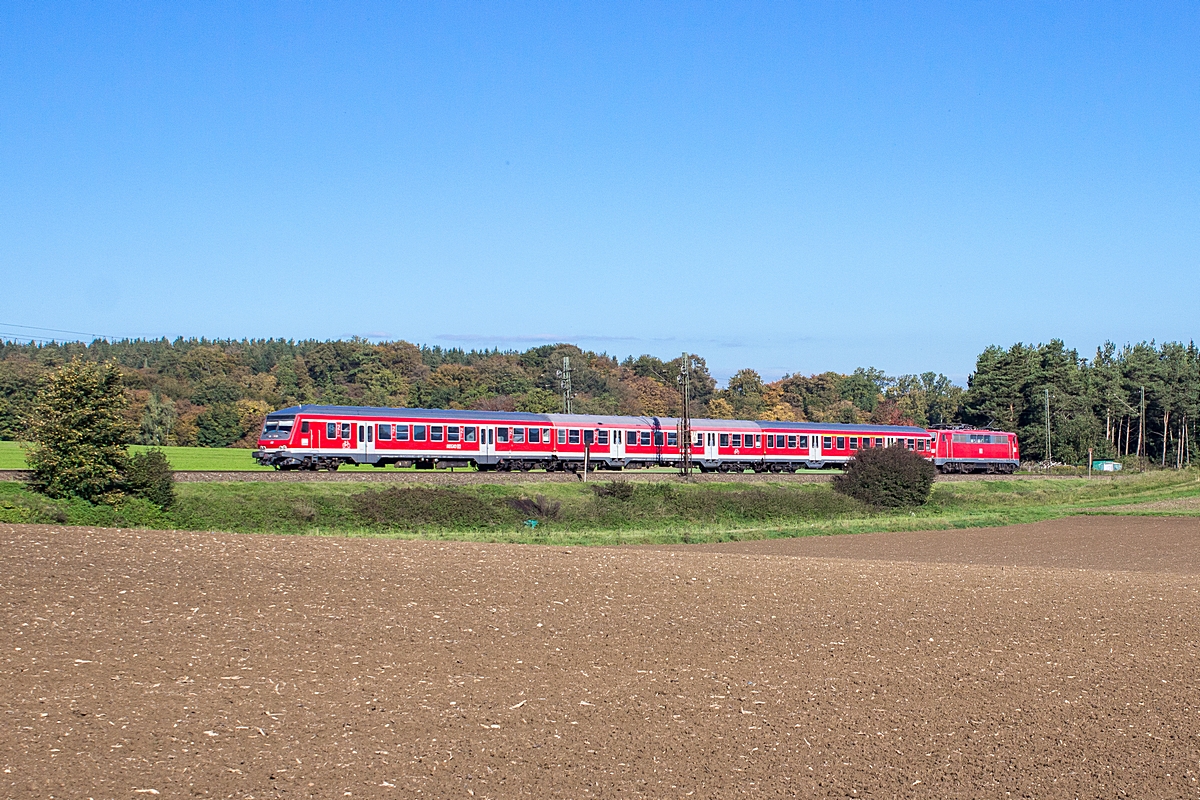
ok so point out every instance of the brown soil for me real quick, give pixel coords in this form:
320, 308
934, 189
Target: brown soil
1008, 662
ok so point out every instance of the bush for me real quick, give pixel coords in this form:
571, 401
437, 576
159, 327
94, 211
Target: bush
891, 477
538, 508
149, 476
419, 507
621, 490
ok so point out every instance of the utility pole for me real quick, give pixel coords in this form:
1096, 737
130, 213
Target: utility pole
1141, 424
1048, 456
564, 381
685, 417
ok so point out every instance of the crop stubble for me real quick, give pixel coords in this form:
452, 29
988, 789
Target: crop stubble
217, 665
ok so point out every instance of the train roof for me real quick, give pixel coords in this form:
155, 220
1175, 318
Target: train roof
588, 419
841, 426
413, 413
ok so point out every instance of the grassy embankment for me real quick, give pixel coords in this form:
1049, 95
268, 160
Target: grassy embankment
633, 513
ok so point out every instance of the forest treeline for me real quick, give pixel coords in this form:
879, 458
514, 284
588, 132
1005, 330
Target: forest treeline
215, 393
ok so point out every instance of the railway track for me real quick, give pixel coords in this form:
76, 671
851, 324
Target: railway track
443, 477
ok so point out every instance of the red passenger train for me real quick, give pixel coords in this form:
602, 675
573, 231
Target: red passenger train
325, 437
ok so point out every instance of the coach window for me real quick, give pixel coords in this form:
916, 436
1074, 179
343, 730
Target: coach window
383, 432
724, 440
841, 443
737, 440
853, 442
401, 433
469, 433
672, 439
878, 441
435, 433
770, 441
912, 444
920, 444
758, 440
645, 438
866, 442
573, 436
345, 430
632, 438
802, 441
827, 442
452, 433
330, 430
699, 440
419, 433
518, 436
502, 435
562, 435
534, 436
546, 436
602, 437
589, 437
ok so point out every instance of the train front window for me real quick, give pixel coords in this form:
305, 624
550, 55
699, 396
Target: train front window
278, 427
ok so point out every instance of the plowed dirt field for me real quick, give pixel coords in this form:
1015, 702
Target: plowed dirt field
1048, 660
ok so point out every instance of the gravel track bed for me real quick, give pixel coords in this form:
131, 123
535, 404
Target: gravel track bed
1026, 661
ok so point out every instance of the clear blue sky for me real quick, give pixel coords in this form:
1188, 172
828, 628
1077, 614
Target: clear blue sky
790, 187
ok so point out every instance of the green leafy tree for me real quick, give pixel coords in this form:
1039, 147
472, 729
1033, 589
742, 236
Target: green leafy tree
157, 420
219, 426
79, 433
539, 401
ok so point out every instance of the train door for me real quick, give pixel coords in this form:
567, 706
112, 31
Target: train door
616, 447
366, 440
487, 445
710, 446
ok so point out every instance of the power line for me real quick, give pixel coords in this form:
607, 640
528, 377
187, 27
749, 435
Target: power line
55, 330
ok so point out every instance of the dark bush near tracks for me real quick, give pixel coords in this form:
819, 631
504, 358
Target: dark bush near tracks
420, 506
621, 490
891, 477
539, 508
149, 475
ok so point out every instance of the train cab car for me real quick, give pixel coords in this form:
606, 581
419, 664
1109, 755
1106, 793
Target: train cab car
315, 437
962, 449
